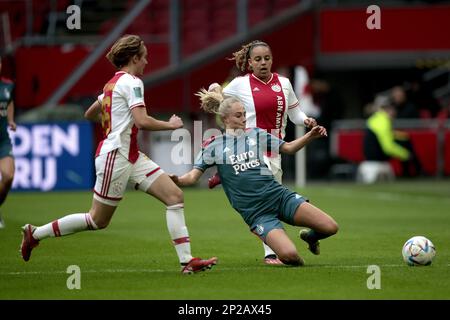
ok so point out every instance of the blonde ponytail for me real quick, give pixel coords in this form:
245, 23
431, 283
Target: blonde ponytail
210, 100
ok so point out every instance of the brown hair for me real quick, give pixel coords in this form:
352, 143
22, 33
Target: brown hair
241, 57
124, 50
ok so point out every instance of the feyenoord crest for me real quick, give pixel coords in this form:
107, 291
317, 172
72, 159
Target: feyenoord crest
276, 88
251, 141
259, 229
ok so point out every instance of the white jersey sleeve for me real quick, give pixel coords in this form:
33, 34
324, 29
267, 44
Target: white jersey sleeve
133, 92
120, 95
100, 98
296, 115
234, 88
292, 100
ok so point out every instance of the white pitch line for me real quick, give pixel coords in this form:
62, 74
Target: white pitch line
218, 267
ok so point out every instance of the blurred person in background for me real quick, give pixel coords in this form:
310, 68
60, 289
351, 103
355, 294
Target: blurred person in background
118, 161
420, 94
6, 155
405, 108
269, 100
328, 100
382, 143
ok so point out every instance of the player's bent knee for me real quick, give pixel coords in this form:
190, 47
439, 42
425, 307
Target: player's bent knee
289, 257
175, 197
332, 228
101, 223
7, 178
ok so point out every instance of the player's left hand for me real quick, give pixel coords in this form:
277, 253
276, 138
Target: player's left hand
319, 131
310, 123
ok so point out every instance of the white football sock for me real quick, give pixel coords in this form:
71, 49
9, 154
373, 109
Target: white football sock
267, 250
179, 232
66, 225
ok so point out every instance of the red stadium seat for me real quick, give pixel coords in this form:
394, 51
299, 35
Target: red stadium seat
425, 143
447, 152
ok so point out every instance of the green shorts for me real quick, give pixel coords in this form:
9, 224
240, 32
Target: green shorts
5, 147
288, 204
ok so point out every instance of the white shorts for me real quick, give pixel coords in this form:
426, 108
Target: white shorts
114, 172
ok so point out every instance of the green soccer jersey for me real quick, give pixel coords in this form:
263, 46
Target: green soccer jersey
6, 96
6, 93
246, 179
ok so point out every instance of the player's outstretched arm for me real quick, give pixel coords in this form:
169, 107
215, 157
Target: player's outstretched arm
299, 118
143, 121
94, 112
187, 179
310, 123
293, 146
12, 125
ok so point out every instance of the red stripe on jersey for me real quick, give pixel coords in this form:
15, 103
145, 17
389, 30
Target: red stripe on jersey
6, 80
152, 172
107, 103
181, 240
56, 230
105, 197
294, 105
270, 103
133, 154
140, 104
99, 147
106, 173
109, 171
208, 141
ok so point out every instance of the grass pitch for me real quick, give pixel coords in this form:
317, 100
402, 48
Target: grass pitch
134, 258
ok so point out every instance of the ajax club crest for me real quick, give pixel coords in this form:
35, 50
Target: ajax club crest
276, 88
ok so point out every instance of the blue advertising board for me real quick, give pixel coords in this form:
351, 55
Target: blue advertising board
53, 156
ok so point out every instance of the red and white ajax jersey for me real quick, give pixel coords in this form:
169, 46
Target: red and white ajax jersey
266, 104
120, 95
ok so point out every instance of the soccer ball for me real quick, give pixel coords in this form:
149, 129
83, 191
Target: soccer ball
418, 251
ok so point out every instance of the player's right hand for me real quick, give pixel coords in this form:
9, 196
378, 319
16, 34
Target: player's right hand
12, 126
215, 87
176, 121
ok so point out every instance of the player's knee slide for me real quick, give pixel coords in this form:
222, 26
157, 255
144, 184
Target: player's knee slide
289, 257
7, 179
293, 260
